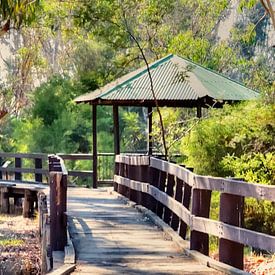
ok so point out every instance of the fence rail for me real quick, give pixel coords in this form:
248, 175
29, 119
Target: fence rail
182, 199
34, 167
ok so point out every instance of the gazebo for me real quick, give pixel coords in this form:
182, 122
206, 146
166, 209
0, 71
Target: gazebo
177, 82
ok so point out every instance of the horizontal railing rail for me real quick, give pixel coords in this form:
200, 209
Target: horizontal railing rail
105, 170
29, 167
182, 199
24, 167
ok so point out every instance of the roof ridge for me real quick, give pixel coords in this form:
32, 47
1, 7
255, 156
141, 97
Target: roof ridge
143, 70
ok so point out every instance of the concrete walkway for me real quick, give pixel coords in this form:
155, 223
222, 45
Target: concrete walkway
111, 237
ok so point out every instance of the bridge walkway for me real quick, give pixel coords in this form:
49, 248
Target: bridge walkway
111, 237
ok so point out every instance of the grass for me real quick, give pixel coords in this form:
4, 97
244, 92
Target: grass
10, 242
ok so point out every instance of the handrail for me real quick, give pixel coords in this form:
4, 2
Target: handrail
167, 188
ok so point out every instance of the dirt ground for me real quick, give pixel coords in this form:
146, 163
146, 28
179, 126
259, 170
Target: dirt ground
19, 245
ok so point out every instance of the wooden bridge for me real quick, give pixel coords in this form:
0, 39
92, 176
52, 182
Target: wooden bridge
167, 232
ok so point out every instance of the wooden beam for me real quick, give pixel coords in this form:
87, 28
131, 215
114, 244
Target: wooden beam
200, 207
231, 212
94, 147
150, 127
18, 164
199, 109
116, 130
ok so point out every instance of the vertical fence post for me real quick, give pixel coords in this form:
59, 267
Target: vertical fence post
1, 160
186, 203
4, 200
154, 182
18, 164
116, 173
58, 200
38, 165
161, 187
169, 192
200, 207
231, 212
178, 197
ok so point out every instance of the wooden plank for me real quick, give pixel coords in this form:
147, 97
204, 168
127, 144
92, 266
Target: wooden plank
15, 182
56, 211
130, 250
170, 192
199, 241
178, 197
231, 212
18, 165
24, 170
186, 203
4, 200
173, 169
76, 156
161, 196
236, 187
78, 173
136, 160
38, 165
23, 155
233, 233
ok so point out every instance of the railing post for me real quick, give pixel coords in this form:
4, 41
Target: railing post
58, 202
200, 207
231, 212
4, 200
186, 203
116, 173
154, 173
161, 187
169, 192
38, 165
178, 197
18, 164
1, 160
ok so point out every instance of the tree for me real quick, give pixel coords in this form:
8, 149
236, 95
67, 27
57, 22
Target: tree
15, 13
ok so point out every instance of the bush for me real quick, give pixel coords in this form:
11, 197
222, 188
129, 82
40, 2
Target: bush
238, 141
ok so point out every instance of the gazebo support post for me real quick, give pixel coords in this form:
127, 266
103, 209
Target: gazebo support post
199, 111
150, 127
116, 130
94, 147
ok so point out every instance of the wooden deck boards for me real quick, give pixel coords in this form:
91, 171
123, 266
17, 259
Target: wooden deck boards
113, 238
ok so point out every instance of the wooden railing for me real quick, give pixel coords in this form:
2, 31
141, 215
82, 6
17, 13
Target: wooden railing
13, 167
182, 199
105, 169
58, 202
34, 167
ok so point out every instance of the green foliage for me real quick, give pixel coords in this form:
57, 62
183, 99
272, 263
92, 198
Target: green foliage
260, 216
232, 131
252, 167
238, 141
19, 12
134, 136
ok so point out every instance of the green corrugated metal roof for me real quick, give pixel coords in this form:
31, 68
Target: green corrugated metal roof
175, 79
